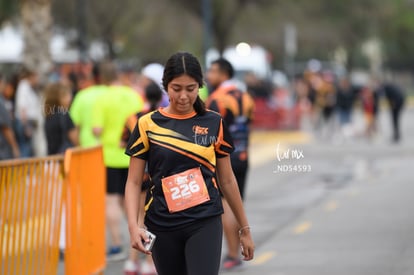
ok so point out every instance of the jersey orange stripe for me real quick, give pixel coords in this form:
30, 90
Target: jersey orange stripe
207, 153
205, 163
221, 136
215, 182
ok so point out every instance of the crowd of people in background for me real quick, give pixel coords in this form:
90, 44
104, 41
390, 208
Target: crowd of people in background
328, 101
32, 110
101, 104
88, 106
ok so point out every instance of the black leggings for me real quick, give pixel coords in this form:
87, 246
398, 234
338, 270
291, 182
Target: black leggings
193, 250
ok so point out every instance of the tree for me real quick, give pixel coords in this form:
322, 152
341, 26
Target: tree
224, 16
396, 34
151, 30
8, 8
148, 31
37, 27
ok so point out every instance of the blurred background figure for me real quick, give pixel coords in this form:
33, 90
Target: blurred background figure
110, 112
369, 108
28, 112
303, 104
8, 91
153, 99
236, 107
326, 100
61, 133
82, 108
396, 98
153, 73
345, 98
8, 144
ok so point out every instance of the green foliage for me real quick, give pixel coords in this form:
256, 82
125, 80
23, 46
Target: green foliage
8, 9
151, 30
397, 35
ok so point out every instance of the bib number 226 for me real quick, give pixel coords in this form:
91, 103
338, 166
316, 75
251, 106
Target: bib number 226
185, 190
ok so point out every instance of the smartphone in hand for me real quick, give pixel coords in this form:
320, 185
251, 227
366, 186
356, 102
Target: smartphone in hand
148, 245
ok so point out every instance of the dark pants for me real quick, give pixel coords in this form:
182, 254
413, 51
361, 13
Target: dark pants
395, 116
24, 141
192, 250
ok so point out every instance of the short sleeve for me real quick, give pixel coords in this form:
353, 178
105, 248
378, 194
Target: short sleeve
138, 144
74, 111
68, 122
224, 145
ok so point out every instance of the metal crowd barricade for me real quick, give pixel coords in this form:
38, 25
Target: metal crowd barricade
85, 245
34, 193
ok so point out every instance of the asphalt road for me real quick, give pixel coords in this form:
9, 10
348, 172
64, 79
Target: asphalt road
348, 213
352, 214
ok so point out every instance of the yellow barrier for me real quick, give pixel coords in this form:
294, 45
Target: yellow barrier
32, 195
85, 246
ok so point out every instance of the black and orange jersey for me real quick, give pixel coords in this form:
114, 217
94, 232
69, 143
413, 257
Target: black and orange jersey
172, 144
236, 108
129, 127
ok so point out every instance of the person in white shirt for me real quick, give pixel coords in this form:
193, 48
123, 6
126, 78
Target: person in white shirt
28, 112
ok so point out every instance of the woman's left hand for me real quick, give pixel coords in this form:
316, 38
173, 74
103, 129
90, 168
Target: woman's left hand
247, 245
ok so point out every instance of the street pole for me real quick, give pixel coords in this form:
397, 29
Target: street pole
290, 39
206, 11
81, 6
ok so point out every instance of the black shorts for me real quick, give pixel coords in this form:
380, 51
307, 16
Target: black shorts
192, 250
240, 168
116, 180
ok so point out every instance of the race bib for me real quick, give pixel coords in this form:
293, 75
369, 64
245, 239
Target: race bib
185, 190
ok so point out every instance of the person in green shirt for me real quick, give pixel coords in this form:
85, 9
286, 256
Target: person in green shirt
82, 107
110, 112
203, 93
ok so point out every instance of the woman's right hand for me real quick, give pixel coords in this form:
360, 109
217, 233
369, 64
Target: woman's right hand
138, 237
247, 245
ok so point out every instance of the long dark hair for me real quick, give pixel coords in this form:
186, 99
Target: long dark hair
53, 95
185, 63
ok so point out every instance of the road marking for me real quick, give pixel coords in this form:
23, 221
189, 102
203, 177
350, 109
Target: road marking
264, 144
294, 137
263, 258
262, 154
302, 228
331, 206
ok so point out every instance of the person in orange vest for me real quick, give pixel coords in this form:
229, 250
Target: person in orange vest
236, 107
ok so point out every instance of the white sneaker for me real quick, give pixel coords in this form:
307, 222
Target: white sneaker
148, 269
130, 268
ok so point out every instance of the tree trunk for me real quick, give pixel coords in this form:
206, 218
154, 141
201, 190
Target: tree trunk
109, 41
37, 28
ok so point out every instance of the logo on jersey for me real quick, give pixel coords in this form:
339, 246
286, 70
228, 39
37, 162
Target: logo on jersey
198, 130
